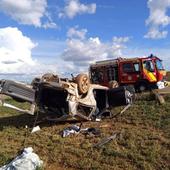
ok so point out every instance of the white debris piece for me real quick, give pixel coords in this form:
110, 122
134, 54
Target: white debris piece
26, 161
160, 85
70, 130
35, 129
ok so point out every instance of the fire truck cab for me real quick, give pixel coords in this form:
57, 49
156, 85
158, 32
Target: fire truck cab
144, 73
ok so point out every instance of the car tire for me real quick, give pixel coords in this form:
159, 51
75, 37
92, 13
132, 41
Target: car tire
113, 84
83, 83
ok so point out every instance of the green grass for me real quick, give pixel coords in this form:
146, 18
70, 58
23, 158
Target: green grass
144, 142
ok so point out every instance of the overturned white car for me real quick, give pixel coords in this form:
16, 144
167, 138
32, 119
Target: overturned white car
63, 98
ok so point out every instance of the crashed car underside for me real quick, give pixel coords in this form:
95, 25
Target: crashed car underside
63, 98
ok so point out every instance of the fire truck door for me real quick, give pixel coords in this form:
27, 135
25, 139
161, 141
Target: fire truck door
149, 71
129, 72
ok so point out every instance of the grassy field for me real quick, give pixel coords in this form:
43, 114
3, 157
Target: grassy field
144, 142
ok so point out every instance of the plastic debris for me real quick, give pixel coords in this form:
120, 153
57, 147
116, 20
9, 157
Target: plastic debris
160, 84
35, 129
91, 131
70, 130
26, 161
77, 129
98, 119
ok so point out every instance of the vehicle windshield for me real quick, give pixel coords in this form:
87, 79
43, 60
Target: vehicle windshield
159, 65
148, 65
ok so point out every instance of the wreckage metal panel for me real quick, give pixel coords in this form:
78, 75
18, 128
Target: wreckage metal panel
117, 96
17, 91
54, 85
63, 98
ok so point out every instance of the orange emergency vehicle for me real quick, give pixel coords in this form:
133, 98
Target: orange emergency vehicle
144, 73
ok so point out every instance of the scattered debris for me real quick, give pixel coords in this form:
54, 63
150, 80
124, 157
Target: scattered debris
159, 97
107, 125
160, 92
28, 160
70, 130
98, 119
161, 85
125, 108
106, 140
106, 113
35, 129
91, 131
77, 129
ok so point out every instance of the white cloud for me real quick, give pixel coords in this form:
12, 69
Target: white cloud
74, 33
15, 50
118, 45
74, 7
49, 25
120, 40
81, 52
158, 18
16, 54
154, 33
29, 12
49, 22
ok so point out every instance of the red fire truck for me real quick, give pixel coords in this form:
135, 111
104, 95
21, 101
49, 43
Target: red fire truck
144, 73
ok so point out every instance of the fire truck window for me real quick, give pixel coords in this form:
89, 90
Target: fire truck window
127, 67
148, 65
136, 67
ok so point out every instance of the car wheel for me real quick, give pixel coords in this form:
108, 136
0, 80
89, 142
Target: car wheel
113, 84
83, 83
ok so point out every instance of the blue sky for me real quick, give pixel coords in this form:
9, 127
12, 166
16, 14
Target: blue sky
65, 36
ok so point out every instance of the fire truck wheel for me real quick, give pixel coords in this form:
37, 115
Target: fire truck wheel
143, 86
113, 84
83, 83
